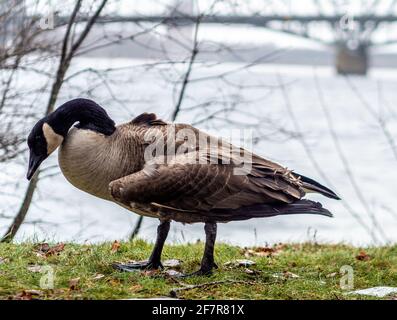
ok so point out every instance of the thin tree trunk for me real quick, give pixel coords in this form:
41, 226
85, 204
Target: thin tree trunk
137, 228
20, 217
64, 63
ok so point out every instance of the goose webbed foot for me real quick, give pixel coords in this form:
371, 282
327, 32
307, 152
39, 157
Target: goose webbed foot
139, 265
154, 262
207, 263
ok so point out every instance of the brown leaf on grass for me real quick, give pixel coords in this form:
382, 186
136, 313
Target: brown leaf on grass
260, 252
363, 256
55, 249
58, 292
4, 260
42, 247
240, 263
34, 268
21, 296
45, 250
172, 273
114, 282
98, 276
34, 292
285, 275
136, 287
264, 251
288, 274
278, 247
172, 263
27, 295
115, 246
73, 283
251, 272
332, 275
150, 273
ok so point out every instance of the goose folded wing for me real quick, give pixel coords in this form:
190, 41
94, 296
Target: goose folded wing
199, 187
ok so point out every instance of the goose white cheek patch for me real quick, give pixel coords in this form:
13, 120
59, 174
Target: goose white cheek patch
53, 139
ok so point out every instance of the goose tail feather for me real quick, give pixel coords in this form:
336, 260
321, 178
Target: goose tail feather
310, 185
302, 206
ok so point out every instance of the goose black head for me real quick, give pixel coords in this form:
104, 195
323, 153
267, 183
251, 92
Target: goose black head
48, 133
42, 141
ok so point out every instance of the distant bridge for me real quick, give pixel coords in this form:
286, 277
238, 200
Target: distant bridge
365, 22
353, 35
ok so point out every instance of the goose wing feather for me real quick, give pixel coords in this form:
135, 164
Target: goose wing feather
197, 186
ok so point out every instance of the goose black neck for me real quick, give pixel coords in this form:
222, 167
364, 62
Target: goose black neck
87, 113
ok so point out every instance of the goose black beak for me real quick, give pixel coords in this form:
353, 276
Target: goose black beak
34, 163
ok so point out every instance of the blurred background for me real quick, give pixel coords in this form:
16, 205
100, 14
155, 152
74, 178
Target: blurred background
315, 82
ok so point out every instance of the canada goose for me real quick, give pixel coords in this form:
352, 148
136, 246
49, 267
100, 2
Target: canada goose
111, 162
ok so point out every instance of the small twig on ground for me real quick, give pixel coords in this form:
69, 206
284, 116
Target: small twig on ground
174, 291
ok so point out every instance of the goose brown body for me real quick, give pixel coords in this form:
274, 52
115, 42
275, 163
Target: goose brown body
171, 172
196, 185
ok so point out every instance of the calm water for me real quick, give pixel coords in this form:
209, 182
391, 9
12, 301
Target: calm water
74, 215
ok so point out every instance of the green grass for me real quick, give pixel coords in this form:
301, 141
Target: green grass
317, 268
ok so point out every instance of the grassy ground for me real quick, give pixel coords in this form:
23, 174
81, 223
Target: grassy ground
293, 271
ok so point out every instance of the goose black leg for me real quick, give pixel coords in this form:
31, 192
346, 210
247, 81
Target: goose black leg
154, 261
207, 262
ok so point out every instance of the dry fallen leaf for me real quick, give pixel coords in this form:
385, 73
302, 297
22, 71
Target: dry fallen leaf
288, 274
44, 249
3, 260
27, 295
22, 296
56, 249
280, 246
285, 275
277, 275
332, 275
136, 287
263, 251
73, 283
240, 263
172, 263
150, 273
115, 246
98, 276
34, 268
114, 282
363, 256
251, 272
172, 273
34, 292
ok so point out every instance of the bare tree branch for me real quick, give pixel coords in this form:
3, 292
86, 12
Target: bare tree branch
346, 164
313, 160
